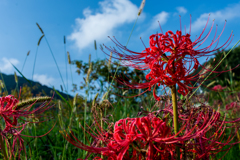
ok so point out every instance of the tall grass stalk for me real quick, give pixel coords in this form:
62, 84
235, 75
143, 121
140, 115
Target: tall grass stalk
36, 53
70, 62
86, 99
95, 47
25, 60
65, 55
139, 13
5, 88
52, 56
16, 80
55, 63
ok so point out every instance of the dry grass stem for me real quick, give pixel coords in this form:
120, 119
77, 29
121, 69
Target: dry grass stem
15, 77
141, 7
69, 59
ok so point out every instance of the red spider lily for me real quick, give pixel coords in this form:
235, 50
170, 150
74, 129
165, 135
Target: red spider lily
232, 105
133, 138
18, 143
7, 112
201, 136
204, 133
11, 114
176, 68
218, 88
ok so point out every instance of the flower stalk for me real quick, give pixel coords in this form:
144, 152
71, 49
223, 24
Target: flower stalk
175, 114
3, 148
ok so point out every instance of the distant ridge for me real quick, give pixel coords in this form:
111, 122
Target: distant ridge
37, 87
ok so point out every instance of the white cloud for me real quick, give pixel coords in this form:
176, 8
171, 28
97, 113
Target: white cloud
6, 66
43, 79
98, 26
161, 17
181, 10
226, 14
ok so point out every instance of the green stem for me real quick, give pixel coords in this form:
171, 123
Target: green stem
101, 121
109, 88
3, 148
221, 98
65, 52
55, 63
34, 62
24, 63
175, 116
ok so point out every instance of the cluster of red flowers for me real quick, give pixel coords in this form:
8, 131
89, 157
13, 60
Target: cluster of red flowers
201, 136
13, 129
177, 68
218, 88
234, 106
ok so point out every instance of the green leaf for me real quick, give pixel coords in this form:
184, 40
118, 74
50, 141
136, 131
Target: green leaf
62, 98
211, 83
22, 75
181, 97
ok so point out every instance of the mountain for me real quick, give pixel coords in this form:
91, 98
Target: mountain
36, 87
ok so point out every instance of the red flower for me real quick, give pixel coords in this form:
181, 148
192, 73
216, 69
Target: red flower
218, 88
201, 136
176, 68
11, 114
133, 139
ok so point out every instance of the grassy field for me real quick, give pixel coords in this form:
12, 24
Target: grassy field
82, 114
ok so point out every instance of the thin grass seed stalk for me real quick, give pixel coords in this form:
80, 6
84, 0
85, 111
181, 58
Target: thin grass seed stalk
104, 96
94, 100
40, 28
31, 101
73, 110
15, 77
40, 39
141, 7
60, 115
89, 69
95, 44
69, 59
1, 86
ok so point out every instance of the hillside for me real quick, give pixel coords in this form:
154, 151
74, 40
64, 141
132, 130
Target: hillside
36, 87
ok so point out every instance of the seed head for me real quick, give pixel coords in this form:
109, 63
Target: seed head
15, 76
141, 7
69, 60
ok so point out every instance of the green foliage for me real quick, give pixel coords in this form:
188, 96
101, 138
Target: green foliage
101, 77
54, 146
230, 62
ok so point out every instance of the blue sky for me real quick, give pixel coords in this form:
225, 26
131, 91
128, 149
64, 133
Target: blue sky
83, 21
